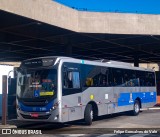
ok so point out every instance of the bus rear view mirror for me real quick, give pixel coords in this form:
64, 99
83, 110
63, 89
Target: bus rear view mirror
21, 81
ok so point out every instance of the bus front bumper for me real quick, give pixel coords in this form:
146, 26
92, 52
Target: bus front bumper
51, 116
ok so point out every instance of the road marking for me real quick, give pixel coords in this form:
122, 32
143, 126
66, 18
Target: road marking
139, 135
76, 135
155, 108
107, 135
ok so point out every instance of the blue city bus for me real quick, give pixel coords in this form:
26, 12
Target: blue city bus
62, 89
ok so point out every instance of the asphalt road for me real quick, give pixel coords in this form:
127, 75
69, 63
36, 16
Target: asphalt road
106, 124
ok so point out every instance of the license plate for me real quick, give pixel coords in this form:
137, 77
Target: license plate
34, 115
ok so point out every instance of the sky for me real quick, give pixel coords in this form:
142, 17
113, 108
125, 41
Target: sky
126, 6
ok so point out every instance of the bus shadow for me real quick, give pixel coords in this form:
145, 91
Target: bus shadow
74, 124
43, 125
104, 117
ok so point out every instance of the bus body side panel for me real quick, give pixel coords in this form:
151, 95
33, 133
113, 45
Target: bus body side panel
128, 95
148, 98
71, 107
102, 96
124, 101
108, 99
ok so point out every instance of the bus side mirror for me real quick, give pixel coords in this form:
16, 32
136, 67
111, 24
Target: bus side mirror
21, 81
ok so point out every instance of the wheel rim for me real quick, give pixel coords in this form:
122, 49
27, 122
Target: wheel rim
91, 114
136, 108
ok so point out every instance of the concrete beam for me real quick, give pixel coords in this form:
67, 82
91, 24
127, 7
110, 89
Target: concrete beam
119, 23
90, 22
46, 11
136, 62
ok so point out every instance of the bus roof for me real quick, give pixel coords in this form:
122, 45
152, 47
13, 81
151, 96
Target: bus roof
103, 62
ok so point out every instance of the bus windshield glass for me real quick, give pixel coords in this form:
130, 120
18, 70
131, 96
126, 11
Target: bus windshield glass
33, 83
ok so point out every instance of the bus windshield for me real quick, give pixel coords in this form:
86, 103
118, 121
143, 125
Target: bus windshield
33, 83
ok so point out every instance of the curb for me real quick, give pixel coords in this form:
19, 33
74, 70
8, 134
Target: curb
7, 126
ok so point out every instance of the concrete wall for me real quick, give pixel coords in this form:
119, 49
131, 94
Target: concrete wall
14, 64
80, 21
150, 66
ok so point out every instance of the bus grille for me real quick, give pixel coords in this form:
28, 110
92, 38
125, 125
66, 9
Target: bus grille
34, 103
39, 117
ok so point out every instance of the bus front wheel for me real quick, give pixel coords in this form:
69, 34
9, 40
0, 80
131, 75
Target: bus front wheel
88, 114
136, 108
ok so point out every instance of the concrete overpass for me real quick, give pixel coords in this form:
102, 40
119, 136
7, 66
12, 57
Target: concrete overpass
39, 28
50, 12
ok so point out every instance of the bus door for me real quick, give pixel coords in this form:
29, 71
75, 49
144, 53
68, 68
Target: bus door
71, 93
107, 91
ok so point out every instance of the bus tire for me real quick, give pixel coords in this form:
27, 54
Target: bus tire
136, 108
88, 114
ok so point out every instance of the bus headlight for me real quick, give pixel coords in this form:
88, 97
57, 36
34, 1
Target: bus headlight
55, 105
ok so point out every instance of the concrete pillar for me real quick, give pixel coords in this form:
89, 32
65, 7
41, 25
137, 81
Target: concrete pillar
69, 50
4, 99
158, 66
2, 38
136, 60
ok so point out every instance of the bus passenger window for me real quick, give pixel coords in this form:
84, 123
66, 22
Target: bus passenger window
114, 82
141, 77
117, 77
89, 82
76, 79
71, 80
150, 79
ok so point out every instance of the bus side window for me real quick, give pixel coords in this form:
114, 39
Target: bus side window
141, 76
153, 78
89, 82
76, 80
126, 78
129, 78
117, 77
150, 79
71, 79
65, 79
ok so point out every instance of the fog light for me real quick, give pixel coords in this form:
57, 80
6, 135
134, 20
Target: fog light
56, 117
